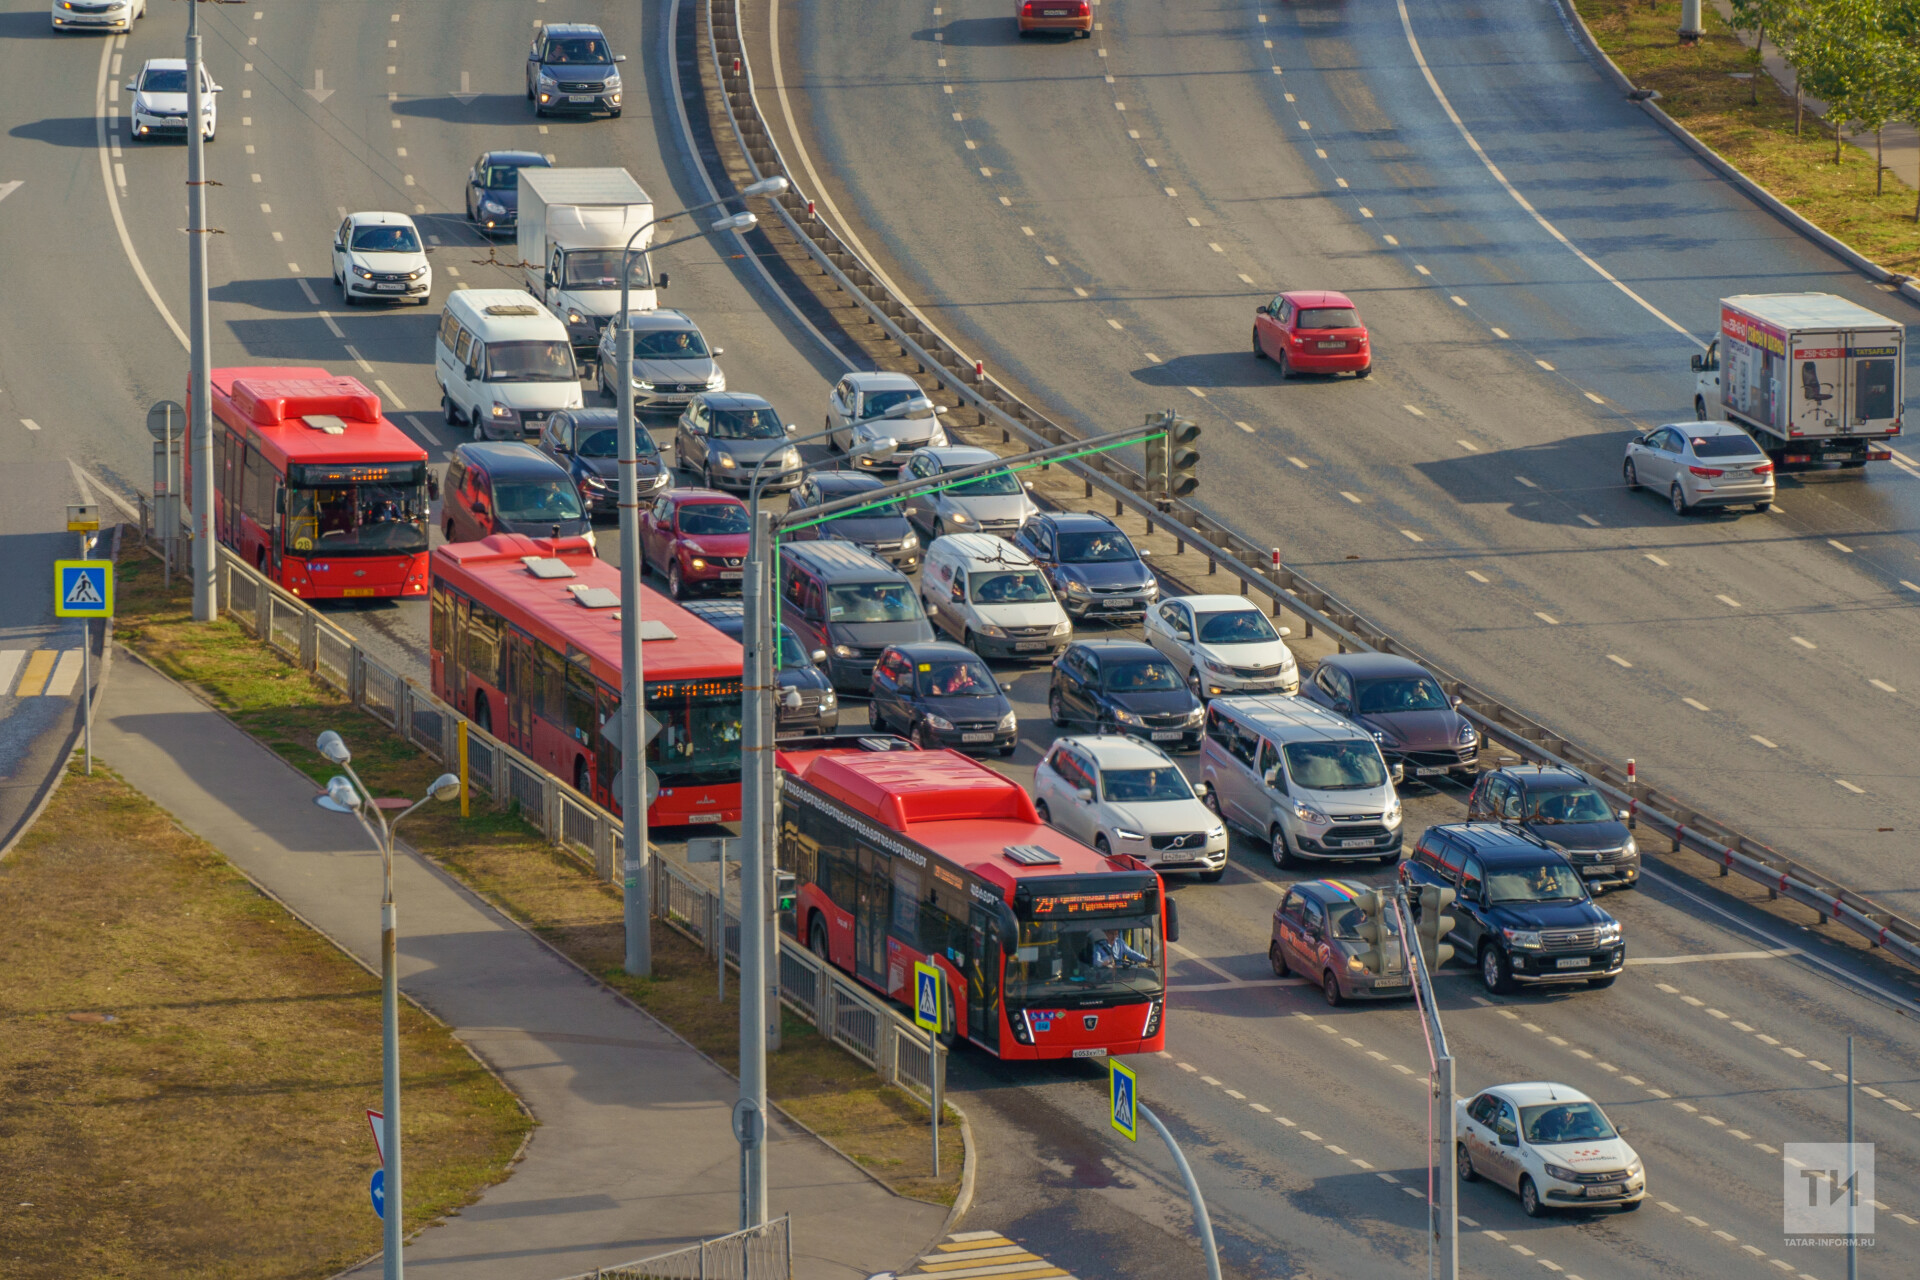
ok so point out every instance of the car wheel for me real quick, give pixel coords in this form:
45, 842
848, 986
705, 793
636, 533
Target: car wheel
1678, 497
1193, 684
1700, 408
483, 713
1212, 801
1603, 982
676, 585
1463, 1164
1530, 1198
529, 91
1364, 373
1330, 988
1046, 814
1213, 877
1763, 506
1286, 369
817, 938
1629, 474
923, 737
966, 639
449, 531
1494, 974
1102, 847
1055, 710
448, 412
479, 432
1278, 959
1282, 850
1259, 352
582, 776
706, 476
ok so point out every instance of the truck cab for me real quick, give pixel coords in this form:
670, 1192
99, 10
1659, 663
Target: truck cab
574, 231
1706, 383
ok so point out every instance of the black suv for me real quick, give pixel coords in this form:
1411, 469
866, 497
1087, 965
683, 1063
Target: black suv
1566, 812
1095, 569
942, 695
1521, 913
570, 68
813, 707
1124, 686
508, 487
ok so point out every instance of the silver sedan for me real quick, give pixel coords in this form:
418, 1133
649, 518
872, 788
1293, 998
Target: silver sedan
1700, 464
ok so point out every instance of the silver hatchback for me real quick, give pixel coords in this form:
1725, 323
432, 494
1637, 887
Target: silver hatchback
1700, 464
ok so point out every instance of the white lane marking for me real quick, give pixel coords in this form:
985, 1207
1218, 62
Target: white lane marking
359, 359
1547, 618
1198, 392
1026, 231
1803, 642
1587, 519
1415, 410
1696, 704
414, 422
1500, 333
1246, 427
1350, 497
82, 476
1839, 546
388, 392
1411, 536
1413, 43
1544, 365
1297, 462
1728, 601
1882, 685
1614, 657
1365, 212
10, 660
1216, 248
65, 675
1478, 577
1903, 582
1459, 301
1523, 480
1468, 445
29, 424
1859, 791
332, 328
1116, 324
1422, 270
312, 297
1771, 746
1656, 559
113, 200
1596, 399
1393, 240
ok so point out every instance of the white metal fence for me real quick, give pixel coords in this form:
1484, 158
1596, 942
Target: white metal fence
758, 1253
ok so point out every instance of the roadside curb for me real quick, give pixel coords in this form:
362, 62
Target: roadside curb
1759, 194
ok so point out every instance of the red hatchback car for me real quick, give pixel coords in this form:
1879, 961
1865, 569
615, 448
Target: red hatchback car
1312, 331
1054, 15
695, 538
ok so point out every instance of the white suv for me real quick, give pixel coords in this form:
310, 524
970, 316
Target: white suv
97, 15
160, 100
379, 255
1121, 795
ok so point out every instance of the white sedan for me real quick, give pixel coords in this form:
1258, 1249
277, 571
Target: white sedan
1121, 795
1551, 1145
379, 255
1223, 644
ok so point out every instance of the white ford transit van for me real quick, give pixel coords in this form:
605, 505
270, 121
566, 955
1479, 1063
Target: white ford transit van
503, 363
989, 595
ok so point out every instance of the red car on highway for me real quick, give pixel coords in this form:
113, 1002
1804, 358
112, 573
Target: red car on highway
1312, 331
695, 538
1054, 15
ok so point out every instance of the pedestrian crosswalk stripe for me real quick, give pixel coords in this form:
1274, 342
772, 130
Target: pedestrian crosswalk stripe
33, 681
983, 1255
42, 672
10, 660
65, 675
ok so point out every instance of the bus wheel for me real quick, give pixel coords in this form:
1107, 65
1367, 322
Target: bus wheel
817, 939
582, 776
483, 713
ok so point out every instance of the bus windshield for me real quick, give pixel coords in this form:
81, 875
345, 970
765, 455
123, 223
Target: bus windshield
699, 739
1057, 960
357, 519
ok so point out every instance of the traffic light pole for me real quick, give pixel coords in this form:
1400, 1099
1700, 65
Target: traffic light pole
1443, 1237
206, 594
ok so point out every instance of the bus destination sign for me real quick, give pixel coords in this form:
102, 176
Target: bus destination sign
1127, 902
671, 690
314, 474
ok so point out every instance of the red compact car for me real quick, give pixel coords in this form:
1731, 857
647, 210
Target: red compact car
1054, 15
1312, 331
695, 538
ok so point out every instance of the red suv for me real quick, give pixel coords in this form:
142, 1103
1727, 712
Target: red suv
695, 538
1312, 331
1054, 15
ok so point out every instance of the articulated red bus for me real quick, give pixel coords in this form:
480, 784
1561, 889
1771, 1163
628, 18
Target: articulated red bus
901, 856
524, 637
315, 487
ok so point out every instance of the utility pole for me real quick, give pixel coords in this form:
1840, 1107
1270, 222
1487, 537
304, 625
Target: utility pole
1853, 1186
206, 600
1443, 1235
756, 741
1690, 29
636, 881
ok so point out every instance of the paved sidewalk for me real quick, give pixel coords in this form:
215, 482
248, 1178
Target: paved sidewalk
634, 1154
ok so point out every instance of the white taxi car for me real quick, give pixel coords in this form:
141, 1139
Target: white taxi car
160, 101
97, 15
1551, 1145
1121, 795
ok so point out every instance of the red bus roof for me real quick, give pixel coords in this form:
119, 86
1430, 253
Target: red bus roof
494, 572
954, 805
273, 405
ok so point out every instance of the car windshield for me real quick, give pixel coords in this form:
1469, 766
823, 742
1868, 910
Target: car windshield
670, 344
873, 602
1104, 547
954, 678
1131, 677
1542, 882
793, 655
1728, 446
1236, 626
1349, 916
1411, 693
877, 511
365, 519
1336, 766
499, 176
1080, 958
875, 403
1558, 1122
604, 442
600, 269
746, 424
531, 361
1575, 804
1018, 586
536, 503
167, 80
1329, 318
992, 484
1161, 782
386, 239
578, 49
713, 517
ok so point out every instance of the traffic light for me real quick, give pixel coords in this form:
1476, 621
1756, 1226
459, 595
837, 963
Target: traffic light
784, 891
1435, 924
1373, 930
1183, 455
1156, 447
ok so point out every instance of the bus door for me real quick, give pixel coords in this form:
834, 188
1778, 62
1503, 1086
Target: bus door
606, 756
983, 980
455, 665
872, 899
523, 690
232, 464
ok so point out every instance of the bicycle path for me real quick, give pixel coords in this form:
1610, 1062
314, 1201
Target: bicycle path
634, 1153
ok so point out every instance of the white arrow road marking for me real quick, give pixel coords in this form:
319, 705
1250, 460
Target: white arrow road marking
8, 188
466, 94
319, 92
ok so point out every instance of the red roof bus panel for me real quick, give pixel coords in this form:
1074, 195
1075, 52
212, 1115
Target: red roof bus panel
271, 405
908, 787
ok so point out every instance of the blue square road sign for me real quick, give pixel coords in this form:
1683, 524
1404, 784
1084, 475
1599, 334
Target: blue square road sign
1123, 1099
83, 588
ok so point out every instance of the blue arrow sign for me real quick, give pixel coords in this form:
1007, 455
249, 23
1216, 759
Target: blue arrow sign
1123, 1099
379, 1193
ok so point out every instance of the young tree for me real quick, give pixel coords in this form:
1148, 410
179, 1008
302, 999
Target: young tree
1840, 58
1767, 19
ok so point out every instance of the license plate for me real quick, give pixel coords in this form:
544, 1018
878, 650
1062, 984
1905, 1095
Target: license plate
1025, 646
976, 737
703, 817
1573, 962
1593, 871
1331, 346
1166, 735
1120, 602
390, 288
1089, 1053
1398, 980
579, 97
1602, 1193
1356, 844
730, 575
1053, 13
1428, 770
359, 591
1838, 453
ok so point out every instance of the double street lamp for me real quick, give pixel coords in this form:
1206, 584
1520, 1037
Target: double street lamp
345, 793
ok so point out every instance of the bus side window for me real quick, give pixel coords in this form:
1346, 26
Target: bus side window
449, 328
550, 696
837, 875
482, 653
439, 620
579, 701
463, 346
257, 490
906, 907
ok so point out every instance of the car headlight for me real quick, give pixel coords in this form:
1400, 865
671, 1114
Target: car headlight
1631, 849
1215, 667
988, 629
641, 384
543, 79
1062, 628
1196, 715
1381, 738
1467, 735
1078, 589
844, 651
613, 83
829, 700
573, 317
595, 482
909, 542
1356, 965
1151, 590
501, 413
1635, 1169
716, 380
1127, 717
1310, 815
698, 563
1009, 722
1216, 832
1521, 937
363, 273
1610, 932
1561, 1172
957, 517
591, 540
416, 273
725, 460
1125, 834
937, 438
1392, 816
940, 722
492, 206
790, 459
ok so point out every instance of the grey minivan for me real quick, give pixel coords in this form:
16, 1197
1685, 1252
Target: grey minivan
839, 598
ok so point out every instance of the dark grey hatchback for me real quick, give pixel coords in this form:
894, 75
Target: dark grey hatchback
942, 695
586, 442
1564, 811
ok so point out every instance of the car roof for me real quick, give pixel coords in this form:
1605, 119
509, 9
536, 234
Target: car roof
991, 547
376, 218
1317, 298
961, 455
1330, 890
1543, 774
664, 318
1068, 520
694, 493
881, 380
831, 553
532, 159
1495, 843
164, 64
733, 400
1216, 604
1374, 664
1291, 718
917, 650
592, 416
1117, 751
1531, 1093
1110, 650
846, 481
571, 29
508, 457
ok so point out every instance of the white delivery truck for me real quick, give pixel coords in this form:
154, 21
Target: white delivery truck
573, 229
1813, 377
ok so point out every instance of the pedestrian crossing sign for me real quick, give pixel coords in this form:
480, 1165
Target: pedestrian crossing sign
1123, 1099
927, 1004
83, 588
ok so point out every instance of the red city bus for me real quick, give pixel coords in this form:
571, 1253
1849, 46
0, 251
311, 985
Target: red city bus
524, 637
901, 855
315, 487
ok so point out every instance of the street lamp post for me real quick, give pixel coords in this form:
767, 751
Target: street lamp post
637, 890
206, 599
347, 794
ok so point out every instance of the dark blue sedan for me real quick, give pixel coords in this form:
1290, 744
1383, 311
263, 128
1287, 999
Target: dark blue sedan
493, 188
1124, 686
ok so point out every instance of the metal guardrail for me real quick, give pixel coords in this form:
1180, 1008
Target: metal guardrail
943, 366
764, 1252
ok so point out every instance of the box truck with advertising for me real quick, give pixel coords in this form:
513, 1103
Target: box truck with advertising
573, 232
1813, 377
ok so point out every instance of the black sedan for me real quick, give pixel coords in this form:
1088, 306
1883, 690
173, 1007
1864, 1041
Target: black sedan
881, 529
806, 702
1124, 686
587, 443
493, 188
942, 695
1095, 569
